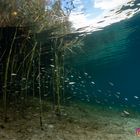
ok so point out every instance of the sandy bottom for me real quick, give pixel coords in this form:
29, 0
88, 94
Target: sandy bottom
78, 122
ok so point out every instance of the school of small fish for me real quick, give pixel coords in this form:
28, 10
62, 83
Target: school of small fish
83, 86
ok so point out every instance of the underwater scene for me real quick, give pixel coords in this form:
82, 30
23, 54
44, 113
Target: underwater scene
70, 70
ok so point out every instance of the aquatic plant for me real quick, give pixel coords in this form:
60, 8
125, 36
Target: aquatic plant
39, 84
6, 77
23, 59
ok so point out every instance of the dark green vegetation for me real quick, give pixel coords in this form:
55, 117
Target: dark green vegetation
34, 40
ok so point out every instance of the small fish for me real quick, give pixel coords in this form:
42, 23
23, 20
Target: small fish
118, 92
110, 107
110, 83
86, 73
71, 83
13, 74
69, 98
93, 83
87, 96
97, 101
74, 93
23, 79
99, 90
117, 96
88, 100
52, 66
136, 97
126, 99
126, 112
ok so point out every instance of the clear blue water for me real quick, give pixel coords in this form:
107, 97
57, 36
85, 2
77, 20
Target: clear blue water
107, 69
